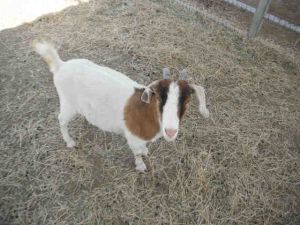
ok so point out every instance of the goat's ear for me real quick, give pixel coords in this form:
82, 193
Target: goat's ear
149, 90
200, 93
146, 96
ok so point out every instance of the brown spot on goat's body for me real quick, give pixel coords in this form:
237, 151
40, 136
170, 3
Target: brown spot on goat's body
142, 119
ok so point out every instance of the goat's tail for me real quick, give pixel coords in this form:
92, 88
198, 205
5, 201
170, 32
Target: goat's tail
49, 54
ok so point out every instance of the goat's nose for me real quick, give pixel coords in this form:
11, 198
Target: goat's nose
171, 132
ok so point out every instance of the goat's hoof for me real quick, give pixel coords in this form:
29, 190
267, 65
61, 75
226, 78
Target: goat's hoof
71, 144
141, 167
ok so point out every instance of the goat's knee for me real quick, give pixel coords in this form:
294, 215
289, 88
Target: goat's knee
145, 151
139, 163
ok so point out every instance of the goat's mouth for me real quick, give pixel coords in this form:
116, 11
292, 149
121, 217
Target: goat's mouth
170, 134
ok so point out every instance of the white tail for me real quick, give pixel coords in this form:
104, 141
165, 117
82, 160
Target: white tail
49, 54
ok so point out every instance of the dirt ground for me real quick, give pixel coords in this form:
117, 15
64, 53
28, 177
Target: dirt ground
241, 166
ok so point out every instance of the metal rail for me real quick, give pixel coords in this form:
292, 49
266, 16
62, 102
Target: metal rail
227, 23
268, 16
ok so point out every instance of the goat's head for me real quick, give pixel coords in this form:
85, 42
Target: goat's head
173, 98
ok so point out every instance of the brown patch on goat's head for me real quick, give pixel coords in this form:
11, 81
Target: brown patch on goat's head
184, 97
142, 119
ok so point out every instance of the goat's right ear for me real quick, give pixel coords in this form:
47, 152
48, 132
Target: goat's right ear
149, 90
146, 96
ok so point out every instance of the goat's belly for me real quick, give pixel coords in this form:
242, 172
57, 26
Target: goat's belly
106, 124
104, 117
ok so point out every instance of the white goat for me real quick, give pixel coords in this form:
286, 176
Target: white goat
113, 102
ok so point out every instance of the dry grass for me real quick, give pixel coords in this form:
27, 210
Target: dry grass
242, 166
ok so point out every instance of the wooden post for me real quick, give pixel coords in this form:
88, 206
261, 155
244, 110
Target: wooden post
262, 7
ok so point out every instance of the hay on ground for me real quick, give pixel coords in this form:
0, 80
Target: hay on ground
241, 166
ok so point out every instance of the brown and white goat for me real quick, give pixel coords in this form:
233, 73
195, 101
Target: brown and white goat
113, 102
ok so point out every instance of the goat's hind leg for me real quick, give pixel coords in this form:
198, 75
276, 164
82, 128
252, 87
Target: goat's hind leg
65, 116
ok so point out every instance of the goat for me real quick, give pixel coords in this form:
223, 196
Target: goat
113, 102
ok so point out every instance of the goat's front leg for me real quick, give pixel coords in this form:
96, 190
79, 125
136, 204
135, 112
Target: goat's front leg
139, 149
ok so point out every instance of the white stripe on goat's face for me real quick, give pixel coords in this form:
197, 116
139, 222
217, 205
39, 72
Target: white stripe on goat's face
170, 118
